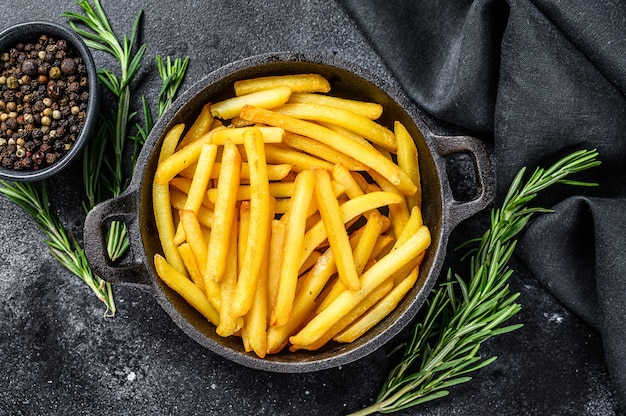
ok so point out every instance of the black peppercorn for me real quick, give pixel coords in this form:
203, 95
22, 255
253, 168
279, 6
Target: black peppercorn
29, 67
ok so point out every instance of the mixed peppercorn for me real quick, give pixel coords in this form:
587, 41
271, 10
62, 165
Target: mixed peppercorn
44, 90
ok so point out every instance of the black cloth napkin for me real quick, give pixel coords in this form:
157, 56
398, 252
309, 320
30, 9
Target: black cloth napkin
536, 80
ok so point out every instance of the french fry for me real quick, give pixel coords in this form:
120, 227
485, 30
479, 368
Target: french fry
366, 109
161, 204
363, 248
297, 83
368, 156
185, 288
332, 219
270, 135
201, 126
191, 265
194, 236
312, 284
399, 213
274, 172
295, 228
408, 161
259, 225
198, 185
256, 319
184, 185
277, 190
228, 324
363, 126
379, 311
298, 160
373, 277
321, 151
269, 98
224, 213
277, 242
368, 301
349, 210
179, 160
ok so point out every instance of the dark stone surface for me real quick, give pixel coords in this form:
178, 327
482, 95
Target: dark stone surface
60, 356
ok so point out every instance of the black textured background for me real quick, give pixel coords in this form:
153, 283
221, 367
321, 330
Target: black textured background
60, 356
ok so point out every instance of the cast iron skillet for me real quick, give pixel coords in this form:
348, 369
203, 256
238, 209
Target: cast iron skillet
441, 211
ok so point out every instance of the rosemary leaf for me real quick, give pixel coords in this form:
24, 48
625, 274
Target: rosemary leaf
462, 314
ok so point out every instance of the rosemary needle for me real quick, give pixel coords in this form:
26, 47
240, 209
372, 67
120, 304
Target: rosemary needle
461, 314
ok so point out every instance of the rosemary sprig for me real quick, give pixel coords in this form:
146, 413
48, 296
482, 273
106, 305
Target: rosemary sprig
461, 315
113, 133
66, 251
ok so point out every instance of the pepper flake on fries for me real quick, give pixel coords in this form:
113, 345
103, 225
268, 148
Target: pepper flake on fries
289, 217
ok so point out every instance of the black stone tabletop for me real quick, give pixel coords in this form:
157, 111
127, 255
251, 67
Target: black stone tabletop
60, 355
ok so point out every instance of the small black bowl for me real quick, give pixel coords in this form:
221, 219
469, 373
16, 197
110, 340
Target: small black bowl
30, 31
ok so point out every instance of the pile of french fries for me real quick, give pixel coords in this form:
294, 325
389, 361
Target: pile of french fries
287, 216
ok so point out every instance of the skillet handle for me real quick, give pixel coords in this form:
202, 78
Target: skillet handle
131, 271
485, 173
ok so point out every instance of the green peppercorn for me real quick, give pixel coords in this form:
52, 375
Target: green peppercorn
55, 72
12, 82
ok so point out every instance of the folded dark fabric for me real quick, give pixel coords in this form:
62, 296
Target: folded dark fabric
536, 80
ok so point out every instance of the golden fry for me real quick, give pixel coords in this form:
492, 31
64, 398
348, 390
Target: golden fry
277, 242
270, 135
277, 190
259, 225
349, 210
297, 83
298, 160
191, 265
379, 311
373, 277
336, 233
366, 109
185, 288
198, 185
368, 156
295, 228
269, 98
321, 151
224, 213
179, 160
363, 126
228, 324
408, 161
161, 204
201, 126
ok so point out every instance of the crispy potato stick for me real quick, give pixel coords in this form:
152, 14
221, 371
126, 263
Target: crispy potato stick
298, 160
320, 150
349, 210
335, 231
373, 277
309, 262
368, 301
363, 248
412, 225
256, 319
270, 98
366, 109
224, 213
229, 325
198, 186
162, 206
191, 265
277, 242
379, 311
185, 288
368, 156
399, 213
184, 185
347, 133
194, 236
202, 125
181, 159
277, 190
274, 172
259, 225
244, 228
363, 126
312, 285
343, 176
270, 135
408, 161
295, 228
297, 83
205, 215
